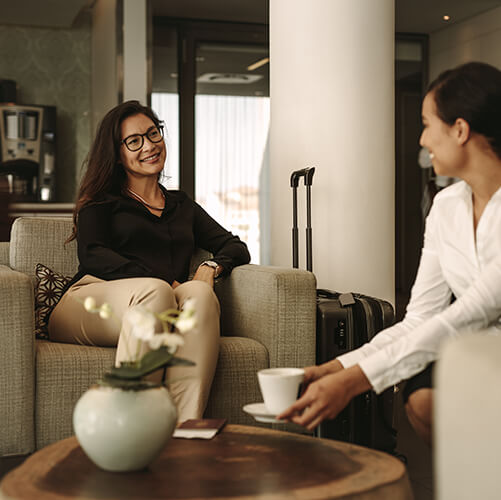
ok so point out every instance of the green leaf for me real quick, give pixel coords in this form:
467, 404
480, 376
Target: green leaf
130, 371
153, 360
150, 362
181, 362
132, 385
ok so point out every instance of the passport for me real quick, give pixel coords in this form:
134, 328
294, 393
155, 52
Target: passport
199, 428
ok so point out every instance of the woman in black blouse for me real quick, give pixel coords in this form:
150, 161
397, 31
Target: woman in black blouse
135, 243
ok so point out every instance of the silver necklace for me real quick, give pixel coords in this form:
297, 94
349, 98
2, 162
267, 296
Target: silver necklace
144, 202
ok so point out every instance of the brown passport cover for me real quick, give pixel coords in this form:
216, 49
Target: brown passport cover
203, 423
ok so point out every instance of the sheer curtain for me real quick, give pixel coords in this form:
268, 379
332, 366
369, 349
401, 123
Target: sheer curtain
231, 136
230, 161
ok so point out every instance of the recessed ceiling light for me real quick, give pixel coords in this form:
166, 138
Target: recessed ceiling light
446, 18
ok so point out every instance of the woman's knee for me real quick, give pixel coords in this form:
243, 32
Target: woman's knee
155, 294
198, 290
420, 405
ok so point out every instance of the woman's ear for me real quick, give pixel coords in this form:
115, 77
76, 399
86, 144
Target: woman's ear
462, 131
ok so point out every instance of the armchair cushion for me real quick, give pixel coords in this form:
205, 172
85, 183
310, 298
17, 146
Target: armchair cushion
66, 371
63, 373
49, 289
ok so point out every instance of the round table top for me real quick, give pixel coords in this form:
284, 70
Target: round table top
240, 462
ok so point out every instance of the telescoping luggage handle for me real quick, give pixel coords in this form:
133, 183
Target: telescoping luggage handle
307, 173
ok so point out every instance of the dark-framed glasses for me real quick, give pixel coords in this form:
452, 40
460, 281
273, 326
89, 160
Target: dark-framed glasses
135, 142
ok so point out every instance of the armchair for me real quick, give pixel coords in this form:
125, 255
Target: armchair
467, 412
267, 320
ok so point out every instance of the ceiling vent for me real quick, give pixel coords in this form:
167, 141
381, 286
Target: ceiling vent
228, 78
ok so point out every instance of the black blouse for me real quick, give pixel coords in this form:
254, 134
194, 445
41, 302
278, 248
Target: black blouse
118, 237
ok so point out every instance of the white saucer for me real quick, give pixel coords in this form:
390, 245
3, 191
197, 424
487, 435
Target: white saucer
261, 414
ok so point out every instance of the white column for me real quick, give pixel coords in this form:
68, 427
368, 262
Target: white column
135, 72
119, 54
332, 107
104, 79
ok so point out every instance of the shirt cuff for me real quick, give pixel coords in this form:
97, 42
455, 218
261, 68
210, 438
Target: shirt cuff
381, 377
378, 371
407, 356
350, 358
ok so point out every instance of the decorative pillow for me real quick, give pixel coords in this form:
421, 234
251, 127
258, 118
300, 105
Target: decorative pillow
48, 291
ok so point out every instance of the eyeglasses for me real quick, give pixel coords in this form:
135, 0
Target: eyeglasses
136, 141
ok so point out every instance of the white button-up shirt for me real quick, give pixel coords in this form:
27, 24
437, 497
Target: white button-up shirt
454, 260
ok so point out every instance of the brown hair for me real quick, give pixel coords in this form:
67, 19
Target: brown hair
104, 173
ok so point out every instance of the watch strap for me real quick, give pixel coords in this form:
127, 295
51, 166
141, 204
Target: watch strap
212, 264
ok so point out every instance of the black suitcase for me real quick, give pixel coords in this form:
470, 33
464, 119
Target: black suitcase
345, 322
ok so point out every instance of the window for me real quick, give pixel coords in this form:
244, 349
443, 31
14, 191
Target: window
216, 108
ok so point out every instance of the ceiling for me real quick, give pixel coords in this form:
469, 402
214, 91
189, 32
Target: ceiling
412, 16
426, 16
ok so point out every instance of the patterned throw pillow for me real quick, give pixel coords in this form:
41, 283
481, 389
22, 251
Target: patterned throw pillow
48, 291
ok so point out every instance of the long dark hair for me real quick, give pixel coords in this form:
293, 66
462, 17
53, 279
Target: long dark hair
104, 172
471, 91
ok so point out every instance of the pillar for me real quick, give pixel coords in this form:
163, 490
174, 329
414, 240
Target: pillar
332, 107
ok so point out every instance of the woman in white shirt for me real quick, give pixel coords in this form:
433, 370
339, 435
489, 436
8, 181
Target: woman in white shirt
461, 256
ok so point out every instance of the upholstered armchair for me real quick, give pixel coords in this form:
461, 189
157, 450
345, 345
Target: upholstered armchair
267, 320
467, 413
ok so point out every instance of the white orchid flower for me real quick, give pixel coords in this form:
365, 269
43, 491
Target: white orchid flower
141, 321
185, 324
105, 311
186, 320
189, 306
89, 304
170, 340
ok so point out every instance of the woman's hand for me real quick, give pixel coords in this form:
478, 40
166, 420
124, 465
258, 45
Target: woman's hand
205, 273
326, 397
312, 373
175, 284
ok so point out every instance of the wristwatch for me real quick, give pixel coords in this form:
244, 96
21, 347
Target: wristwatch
214, 266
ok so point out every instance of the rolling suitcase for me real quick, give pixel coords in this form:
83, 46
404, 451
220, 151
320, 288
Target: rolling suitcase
345, 321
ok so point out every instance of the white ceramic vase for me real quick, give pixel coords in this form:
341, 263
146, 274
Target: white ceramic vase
123, 429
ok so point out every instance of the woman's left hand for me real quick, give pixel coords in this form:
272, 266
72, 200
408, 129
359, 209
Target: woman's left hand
205, 273
326, 397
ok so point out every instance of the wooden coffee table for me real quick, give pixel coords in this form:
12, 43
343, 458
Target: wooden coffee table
241, 462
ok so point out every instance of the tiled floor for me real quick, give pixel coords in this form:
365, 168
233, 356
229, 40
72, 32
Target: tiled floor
9, 463
419, 456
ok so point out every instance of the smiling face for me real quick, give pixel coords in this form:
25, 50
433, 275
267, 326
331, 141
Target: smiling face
147, 161
442, 140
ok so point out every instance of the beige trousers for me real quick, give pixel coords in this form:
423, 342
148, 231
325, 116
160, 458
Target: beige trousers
71, 323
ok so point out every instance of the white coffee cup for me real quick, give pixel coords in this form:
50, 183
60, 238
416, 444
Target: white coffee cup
279, 387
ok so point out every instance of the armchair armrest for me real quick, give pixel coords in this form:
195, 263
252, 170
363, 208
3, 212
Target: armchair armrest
17, 356
275, 306
4, 253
